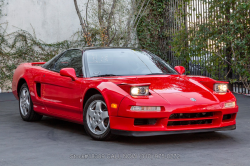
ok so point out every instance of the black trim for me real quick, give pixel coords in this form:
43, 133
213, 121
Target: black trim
86, 69
38, 89
152, 133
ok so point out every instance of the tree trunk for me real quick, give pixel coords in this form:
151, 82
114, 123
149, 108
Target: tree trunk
83, 25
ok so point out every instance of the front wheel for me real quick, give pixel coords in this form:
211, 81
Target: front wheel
96, 118
26, 106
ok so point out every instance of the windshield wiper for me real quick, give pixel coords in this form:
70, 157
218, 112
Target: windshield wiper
159, 74
105, 75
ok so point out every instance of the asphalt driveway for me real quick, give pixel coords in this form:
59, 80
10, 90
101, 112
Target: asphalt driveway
56, 142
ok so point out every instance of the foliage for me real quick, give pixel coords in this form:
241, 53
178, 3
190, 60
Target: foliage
113, 27
225, 35
152, 27
21, 46
107, 23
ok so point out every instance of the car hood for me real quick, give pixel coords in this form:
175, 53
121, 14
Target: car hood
175, 89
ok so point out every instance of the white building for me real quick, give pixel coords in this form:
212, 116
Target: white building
52, 20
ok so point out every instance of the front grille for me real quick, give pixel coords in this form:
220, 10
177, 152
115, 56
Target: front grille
189, 122
186, 119
190, 115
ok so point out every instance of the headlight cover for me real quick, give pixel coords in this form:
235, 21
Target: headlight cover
220, 88
139, 91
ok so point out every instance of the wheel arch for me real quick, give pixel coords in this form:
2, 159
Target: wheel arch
111, 93
90, 92
19, 85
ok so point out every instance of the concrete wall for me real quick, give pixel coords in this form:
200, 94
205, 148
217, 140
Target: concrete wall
52, 20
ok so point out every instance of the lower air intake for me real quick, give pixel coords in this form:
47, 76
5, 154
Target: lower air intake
145, 121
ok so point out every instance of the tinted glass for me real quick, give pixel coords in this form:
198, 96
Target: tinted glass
125, 62
72, 59
48, 64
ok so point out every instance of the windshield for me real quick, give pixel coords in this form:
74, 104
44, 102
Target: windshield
123, 62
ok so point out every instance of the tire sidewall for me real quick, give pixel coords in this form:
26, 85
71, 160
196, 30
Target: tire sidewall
94, 136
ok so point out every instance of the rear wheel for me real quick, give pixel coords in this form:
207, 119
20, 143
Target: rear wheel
26, 106
96, 118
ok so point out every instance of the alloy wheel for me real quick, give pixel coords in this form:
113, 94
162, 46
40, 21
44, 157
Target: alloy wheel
97, 117
25, 101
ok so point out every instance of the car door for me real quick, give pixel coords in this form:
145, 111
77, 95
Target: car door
61, 95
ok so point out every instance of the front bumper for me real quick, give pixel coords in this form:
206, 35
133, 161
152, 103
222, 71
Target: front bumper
126, 123
153, 133
165, 124
196, 117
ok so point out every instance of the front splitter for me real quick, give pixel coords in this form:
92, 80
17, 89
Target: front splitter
154, 133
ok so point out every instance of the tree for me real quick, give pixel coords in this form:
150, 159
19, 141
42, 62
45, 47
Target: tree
224, 34
114, 25
153, 25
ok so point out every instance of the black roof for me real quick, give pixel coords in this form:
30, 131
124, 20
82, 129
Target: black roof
93, 48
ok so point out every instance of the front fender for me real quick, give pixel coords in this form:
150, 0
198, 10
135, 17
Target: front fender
111, 93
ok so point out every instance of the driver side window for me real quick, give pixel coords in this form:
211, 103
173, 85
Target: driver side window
72, 59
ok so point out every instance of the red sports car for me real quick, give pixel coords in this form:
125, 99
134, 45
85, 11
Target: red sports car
122, 91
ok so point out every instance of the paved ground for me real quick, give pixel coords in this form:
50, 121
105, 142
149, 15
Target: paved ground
56, 142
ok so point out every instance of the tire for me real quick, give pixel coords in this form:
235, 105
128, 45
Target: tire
26, 106
95, 115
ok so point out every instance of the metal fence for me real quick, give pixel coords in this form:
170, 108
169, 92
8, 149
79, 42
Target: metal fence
191, 14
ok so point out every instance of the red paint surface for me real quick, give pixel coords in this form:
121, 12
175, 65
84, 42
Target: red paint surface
63, 97
68, 72
180, 69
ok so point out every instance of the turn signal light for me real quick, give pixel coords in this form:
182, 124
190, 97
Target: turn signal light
113, 105
140, 108
229, 105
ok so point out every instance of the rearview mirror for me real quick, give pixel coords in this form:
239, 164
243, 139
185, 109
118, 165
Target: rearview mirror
68, 72
180, 69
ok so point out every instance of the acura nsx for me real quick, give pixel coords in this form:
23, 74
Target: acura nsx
122, 91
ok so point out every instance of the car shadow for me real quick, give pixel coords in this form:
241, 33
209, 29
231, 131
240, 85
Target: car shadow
125, 140
63, 125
